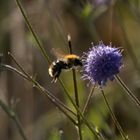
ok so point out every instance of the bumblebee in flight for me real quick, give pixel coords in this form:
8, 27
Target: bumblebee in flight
67, 62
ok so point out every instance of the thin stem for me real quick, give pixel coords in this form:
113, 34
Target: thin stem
134, 9
77, 103
10, 68
114, 117
128, 44
41, 89
33, 32
76, 92
128, 91
35, 36
10, 112
44, 91
97, 134
88, 99
59, 102
111, 8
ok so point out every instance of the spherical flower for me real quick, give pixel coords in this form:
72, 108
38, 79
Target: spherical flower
101, 63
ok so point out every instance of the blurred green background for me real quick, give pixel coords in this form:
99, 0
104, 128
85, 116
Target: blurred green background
116, 21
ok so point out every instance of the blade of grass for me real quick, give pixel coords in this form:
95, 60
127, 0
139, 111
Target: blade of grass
76, 92
93, 129
10, 112
114, 117
53, 97
96, 133
41, 89
35, 36
128, 91
88, 99
33, 32
128, 46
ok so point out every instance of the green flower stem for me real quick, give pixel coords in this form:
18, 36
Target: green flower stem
97, 134
77, 103
128, 91
114, 118
46, 92
134, 8
34, 35
88, 99
52, 96
93, 129
128, 44
33, 32
76, 92
53, 99
10, 112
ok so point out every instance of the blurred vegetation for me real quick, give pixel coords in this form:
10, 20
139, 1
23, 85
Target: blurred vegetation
116, 21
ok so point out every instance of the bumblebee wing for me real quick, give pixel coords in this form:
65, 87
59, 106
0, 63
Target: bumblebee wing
58, 53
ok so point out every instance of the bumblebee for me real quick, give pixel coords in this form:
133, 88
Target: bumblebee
66, 63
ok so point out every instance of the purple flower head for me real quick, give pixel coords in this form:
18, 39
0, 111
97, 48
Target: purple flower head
101, 63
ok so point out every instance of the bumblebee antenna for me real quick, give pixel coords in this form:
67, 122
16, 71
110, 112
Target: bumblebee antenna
69, 43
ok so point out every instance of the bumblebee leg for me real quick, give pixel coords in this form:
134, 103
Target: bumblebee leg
55, 77
54, 80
